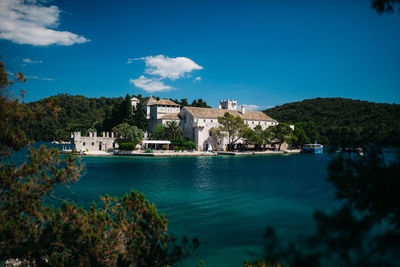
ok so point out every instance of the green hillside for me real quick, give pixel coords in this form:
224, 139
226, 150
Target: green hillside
74, 113
342, 121
80, 113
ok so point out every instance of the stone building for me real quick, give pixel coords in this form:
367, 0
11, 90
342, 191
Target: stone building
147, 105
162, 111
198, 122
93, 143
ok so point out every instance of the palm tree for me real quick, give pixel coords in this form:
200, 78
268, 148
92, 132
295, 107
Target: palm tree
173, 131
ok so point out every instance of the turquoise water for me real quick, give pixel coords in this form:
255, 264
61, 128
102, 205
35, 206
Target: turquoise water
225, 201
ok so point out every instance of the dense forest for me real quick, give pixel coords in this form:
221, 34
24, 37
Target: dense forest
80, 113
343, 121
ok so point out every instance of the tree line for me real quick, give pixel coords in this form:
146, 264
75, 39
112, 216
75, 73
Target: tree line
80, 113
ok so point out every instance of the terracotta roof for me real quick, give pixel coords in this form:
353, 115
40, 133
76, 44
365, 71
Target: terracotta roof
165, 102
170, 116
212, 113
149, 102
134, 98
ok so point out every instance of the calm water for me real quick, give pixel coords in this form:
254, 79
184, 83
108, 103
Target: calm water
224, 201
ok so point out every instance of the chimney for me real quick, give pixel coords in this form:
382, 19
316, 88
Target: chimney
243, 111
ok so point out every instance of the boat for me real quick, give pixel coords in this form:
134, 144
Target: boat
313, 148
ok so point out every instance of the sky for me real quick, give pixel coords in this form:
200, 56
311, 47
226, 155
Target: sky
262, 53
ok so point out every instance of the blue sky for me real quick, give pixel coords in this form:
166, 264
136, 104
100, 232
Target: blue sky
262, 53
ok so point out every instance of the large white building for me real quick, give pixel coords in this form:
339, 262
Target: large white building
197, 122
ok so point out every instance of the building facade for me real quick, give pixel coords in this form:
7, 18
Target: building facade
162, 111
198, 122
93, 143
147, 105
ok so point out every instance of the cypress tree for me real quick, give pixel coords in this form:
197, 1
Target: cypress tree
139, 117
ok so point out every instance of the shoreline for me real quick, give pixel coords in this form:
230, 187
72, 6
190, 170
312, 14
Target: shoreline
141, 153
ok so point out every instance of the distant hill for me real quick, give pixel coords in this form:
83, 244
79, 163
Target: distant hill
344, 121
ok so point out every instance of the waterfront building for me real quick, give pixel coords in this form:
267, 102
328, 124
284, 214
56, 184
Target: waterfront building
93, 143
198, 122
162, 111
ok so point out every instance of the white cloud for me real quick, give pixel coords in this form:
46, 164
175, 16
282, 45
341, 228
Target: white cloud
31, 61
197, 79
30, 22
150, 84
34, 77
251, 107
130, 60
172, 68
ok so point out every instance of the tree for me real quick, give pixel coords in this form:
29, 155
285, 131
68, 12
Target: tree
184, 102
281, 133
173, 131
139, 117
266, 136
124, 232
382, 6
248, 137
260, 136
158, 132
125, 110
301, 135
231, 127
199, 103
368, 183
121, 112
127, 133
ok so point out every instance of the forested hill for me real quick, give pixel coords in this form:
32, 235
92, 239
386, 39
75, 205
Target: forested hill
62, 114
343, 121
73, 113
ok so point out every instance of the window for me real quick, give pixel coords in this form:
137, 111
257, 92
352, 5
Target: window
92, 144
253, 122
83, 144
210, 133
204, 120
211, 120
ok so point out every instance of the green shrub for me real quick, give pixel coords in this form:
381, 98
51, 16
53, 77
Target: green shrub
190, 145
184, 144
127, 146
148, 150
